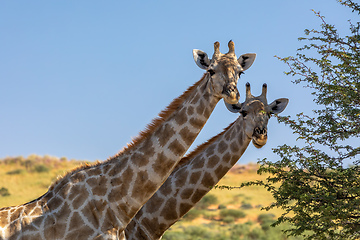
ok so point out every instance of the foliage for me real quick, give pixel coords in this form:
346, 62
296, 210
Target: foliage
222, 206
192, 214
313, 182
228, 219
41, 168
264, 217
15, 172
245, 231
4, 192
246, 206
233, 213
206, 201
209, 214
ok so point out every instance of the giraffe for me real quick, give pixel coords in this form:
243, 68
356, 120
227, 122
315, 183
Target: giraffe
98, 201
200, 170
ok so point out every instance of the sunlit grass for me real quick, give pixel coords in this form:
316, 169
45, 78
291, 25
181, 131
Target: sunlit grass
25, 183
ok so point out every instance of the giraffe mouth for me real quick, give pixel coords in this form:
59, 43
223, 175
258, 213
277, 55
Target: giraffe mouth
231, 98
231, 94
259, 143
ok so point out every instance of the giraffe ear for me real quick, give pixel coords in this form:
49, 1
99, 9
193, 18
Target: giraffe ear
234, 108
278, 105
246, 60
201, 59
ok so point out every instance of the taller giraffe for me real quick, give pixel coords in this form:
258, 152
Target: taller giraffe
203, 168
98, 201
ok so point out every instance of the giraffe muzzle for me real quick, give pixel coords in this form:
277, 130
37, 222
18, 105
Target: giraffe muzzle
231, 94
259, 137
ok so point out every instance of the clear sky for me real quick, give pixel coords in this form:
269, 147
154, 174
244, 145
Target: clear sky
80, 78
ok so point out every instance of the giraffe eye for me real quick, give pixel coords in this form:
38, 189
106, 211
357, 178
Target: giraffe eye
212, 72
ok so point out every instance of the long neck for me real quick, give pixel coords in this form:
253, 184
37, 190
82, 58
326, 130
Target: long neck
103, 198
138, 171
190, 181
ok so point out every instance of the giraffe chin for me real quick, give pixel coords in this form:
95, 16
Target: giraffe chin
231, 99
258, 144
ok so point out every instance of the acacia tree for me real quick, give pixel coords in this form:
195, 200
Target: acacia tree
313, 182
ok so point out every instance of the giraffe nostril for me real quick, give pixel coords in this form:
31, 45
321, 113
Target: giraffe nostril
260, 131
264, 131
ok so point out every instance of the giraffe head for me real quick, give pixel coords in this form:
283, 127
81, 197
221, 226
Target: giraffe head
224, 70
257, 112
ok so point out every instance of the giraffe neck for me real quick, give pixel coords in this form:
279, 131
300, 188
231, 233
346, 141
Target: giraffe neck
100, 200
144, 167
190, 181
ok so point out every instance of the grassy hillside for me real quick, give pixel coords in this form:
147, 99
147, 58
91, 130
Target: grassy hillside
222, 214
24, 179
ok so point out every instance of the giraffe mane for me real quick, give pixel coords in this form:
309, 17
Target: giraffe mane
162, 116
82, 166
200, 148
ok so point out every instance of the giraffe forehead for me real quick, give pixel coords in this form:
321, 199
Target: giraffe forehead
228, 67
228, 61
254, 105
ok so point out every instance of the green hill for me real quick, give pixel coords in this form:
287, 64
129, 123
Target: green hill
221, 214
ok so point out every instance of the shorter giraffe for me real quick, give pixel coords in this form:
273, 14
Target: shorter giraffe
198, 172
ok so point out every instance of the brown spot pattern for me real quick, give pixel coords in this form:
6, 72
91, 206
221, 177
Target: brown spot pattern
181, 117
153, 204
213, 161
195, 99
177, 148
184, 208
116, 181
169, 210
198, 194
220, 171
162, 164
165, 189
77, 177
139, 159
164, 133
186, 193
208, 180
200, 108
194, 178
3, 217
198, 162
222, 146
94, 171
190, 110
147, 149
80, 199
54, 203
210, 150
234, 147
187, 136
15, 214
141, 178
196, 123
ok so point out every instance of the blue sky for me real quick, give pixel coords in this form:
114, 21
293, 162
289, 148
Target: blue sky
79, 79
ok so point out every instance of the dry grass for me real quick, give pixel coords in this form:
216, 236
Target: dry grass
25, 181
